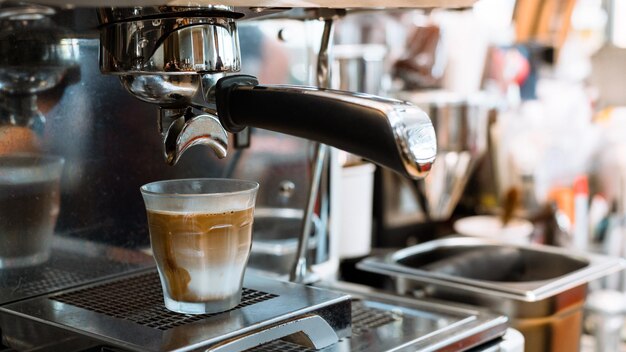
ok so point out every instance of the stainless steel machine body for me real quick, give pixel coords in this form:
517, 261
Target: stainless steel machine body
127, 314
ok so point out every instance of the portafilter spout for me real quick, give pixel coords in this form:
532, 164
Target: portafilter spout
186, 129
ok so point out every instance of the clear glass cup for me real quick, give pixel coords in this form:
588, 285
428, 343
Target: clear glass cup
29, 207
201, 235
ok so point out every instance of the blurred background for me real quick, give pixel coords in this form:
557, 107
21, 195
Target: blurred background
527, 98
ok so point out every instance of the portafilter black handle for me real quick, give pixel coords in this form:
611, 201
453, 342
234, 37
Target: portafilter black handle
388, 132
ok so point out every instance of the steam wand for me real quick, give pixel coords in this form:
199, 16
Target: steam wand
301, 271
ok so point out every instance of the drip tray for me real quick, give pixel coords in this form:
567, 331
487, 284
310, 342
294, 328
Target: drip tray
364, 320
399, 325
386, 322
128, 313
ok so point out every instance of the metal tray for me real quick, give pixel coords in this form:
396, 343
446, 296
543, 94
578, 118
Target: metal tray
551, 270
416, 325
128, 313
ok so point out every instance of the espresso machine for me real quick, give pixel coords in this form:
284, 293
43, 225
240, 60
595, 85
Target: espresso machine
96, 287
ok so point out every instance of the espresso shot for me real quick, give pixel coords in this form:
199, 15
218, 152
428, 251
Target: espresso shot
201, 255
201, 237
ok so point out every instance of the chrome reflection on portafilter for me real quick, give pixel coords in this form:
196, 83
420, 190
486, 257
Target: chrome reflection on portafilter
35, 55
179, 58
165, 56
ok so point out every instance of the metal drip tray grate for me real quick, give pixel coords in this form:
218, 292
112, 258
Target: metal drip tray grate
128, 313
364, 319
71, 263
139, 299
47, 279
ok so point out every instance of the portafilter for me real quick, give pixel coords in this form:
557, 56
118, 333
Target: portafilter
183, 58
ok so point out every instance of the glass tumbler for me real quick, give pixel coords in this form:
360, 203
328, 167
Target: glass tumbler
201, 235
29, 207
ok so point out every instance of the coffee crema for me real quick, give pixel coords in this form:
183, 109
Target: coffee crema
201, 255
